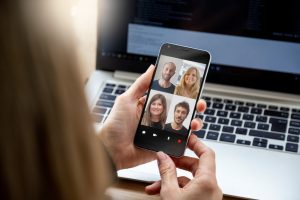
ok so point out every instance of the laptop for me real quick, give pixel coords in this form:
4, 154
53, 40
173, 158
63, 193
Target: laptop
252, 121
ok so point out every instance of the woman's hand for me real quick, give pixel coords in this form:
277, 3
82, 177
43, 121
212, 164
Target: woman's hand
202, 186
118, 131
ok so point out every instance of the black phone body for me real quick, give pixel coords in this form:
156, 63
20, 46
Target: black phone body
175, 88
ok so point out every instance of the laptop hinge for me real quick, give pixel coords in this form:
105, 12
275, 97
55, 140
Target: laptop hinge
126, 75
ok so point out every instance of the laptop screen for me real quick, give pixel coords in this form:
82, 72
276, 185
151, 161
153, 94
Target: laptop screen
253, 43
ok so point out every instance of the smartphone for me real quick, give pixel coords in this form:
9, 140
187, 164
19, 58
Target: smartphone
175, 88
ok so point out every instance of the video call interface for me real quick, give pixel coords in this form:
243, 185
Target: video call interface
173, 95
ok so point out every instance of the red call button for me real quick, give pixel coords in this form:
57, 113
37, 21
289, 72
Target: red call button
179, 141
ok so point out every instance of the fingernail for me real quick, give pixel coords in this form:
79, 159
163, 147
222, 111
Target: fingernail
151, 66
161, 156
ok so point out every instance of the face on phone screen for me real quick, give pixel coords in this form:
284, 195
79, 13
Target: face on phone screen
169, 109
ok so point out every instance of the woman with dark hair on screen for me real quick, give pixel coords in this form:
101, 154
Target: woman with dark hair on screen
49, 149
189, 84
156, 112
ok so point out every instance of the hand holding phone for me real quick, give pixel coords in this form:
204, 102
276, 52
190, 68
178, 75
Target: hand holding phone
170, 105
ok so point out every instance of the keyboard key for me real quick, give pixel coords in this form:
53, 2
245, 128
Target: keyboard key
105, 104
261, 118
228, 129
218, 105
236, 123
265, 134
263, 126
244, 142
241, 131
250, 104
284, 109
243, 109
97, 118
295, 131
206, 98
219, 100
293, 138
222, 113
99, 110
122, 86
119, 92
276, 113
212, 135
204, 126
248, 117
108, 97
235, 115
291, 147
295, 116
210, 111
296, 110
214, 127
110, 85
108, 90
295, 123
230, 107
261, 106
260, 142
227, 137
200, 134
228, 101
249, 124
208, 104
278, 125
257, 111
199, 116
240, 103
273, 107
223, 121
275, 146
210, 119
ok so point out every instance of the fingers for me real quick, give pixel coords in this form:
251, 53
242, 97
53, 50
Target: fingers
205, 154
142, 100
167, 172
141, 85
183, 181
154, 188
187, 163
201, 105
140, 106
196, 124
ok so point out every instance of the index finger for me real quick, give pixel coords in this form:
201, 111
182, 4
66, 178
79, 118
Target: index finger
205, 154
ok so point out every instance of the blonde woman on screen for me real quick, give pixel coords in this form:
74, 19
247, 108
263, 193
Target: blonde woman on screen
189, 84
156, 112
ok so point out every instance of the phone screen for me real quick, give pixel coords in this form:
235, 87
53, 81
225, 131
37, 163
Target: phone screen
170, 105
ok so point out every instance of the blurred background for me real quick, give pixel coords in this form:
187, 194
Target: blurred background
84, 16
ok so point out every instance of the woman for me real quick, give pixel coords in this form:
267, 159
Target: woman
156, 112
189, 84
48, 146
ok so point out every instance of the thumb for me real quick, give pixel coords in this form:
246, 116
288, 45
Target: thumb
141, 85
168, 173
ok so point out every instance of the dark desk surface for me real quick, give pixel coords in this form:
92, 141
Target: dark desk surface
133, 190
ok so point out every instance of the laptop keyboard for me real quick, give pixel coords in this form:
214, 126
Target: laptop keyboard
230, 121
250, 124
106, 100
